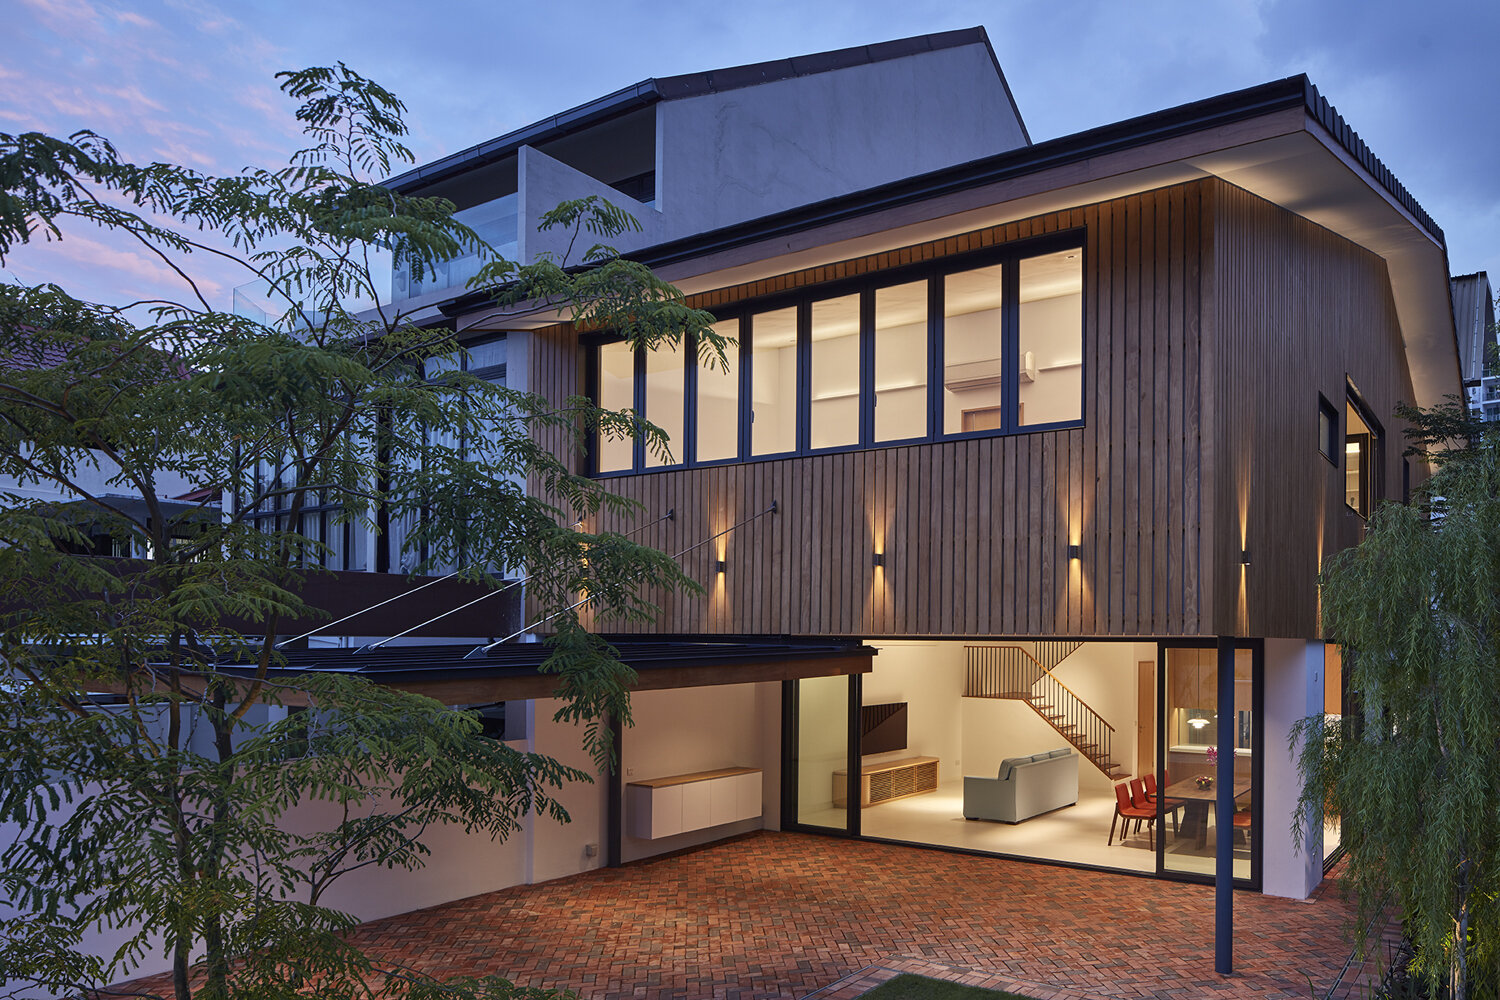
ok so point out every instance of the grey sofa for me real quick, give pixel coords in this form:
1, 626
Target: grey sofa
1025, 787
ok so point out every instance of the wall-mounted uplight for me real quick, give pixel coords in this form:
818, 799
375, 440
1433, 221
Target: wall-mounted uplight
879, 559
1073, 554
1244, 557
719, 566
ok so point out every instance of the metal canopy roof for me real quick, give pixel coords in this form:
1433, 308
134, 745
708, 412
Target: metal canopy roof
428, 663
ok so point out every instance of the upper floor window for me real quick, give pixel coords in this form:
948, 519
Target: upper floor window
1362, 436
988, 344
1328, 430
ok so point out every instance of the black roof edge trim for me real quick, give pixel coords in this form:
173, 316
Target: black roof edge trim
1213, 112
1327, 116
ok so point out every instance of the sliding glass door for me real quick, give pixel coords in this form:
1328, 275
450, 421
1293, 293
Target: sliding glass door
823, 785
1189, 730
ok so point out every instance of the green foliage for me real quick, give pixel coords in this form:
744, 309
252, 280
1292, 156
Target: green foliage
1416, 776
163, 807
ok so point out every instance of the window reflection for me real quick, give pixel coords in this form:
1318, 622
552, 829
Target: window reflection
719, 401
835, 372
773, 390
972, 350
666, 400
616, 392
1051, 362
901, 362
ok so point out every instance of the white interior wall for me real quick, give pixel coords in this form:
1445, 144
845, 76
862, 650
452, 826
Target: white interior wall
929, 677
684, 730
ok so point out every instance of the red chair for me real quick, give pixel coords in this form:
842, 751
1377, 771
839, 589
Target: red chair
1242, 823
1173, 806
1127, 810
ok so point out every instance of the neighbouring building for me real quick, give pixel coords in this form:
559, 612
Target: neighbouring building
1474, 322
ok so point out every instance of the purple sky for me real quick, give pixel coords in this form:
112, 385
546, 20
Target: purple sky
192, 81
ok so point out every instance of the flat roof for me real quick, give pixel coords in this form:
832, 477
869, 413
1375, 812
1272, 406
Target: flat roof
644, 654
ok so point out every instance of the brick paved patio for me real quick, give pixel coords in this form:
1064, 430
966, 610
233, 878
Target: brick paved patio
791, 915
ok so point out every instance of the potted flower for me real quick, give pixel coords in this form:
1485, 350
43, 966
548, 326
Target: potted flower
1211, 758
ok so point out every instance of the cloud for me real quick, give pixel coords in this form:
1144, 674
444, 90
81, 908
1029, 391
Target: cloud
130, 17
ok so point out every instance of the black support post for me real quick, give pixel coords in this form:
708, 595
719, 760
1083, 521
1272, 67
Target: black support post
615, 820
1224, 814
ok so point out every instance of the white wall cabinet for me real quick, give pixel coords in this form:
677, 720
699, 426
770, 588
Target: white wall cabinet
681, 803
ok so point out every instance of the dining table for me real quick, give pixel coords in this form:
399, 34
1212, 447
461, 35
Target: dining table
1197, 802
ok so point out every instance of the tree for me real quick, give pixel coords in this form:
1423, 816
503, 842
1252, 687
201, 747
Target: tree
1415, 775
162, 813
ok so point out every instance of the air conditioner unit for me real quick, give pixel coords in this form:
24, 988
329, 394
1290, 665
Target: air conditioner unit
1028, 367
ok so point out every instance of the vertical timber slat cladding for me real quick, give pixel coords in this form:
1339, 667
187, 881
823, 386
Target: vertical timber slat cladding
1130, 469
1211, 322
1198, 509
1323, 316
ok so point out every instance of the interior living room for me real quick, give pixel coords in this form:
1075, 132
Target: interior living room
1042, 750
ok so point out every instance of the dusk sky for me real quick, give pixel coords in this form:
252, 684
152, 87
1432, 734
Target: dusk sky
192, 82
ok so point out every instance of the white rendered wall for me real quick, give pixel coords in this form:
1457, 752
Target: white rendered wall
683, 730
544, 184
749, 152
1294, 690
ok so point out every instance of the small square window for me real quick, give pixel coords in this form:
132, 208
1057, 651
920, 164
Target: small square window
1328, 430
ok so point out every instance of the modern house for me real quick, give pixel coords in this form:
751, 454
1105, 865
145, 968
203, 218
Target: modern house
1015, 434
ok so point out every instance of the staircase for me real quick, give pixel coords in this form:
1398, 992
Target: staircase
1012, 673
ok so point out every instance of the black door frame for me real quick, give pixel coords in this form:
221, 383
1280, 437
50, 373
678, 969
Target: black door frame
1257, 648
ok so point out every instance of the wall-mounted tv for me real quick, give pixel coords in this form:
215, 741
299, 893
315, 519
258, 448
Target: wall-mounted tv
882, 728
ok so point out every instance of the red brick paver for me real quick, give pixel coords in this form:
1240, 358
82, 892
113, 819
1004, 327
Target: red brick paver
792, 915
780, 915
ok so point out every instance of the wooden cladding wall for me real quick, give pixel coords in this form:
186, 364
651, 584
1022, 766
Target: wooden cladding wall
1297, 310
974, 534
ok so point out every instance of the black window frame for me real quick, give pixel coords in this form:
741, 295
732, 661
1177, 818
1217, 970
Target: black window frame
1328, 445
932, 272
1372, 457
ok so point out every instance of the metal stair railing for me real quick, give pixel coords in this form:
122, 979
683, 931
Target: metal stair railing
1010, 672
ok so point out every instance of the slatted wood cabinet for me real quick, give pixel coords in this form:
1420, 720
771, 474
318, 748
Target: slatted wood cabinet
891, 779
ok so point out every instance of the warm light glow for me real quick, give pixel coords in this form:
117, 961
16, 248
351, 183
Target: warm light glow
1197, 723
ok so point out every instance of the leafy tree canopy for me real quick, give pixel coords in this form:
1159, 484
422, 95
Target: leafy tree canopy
1414, 775
162, 812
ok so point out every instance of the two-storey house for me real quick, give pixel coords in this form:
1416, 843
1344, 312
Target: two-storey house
1024, 446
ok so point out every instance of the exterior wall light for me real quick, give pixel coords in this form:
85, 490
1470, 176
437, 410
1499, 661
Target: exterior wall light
719, 566
1072, 553
879, 559
1244, 557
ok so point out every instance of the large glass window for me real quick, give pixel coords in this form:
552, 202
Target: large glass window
1051, 339
666, 401
719, 401
1193, 718
835, 372
973, 346
773, 375
901, 361
616, 392
873, 365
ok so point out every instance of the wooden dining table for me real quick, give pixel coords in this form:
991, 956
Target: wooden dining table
1198, 801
